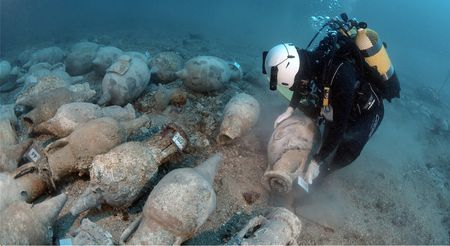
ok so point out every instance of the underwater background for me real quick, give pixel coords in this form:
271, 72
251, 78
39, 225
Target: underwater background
396, 192
414, 31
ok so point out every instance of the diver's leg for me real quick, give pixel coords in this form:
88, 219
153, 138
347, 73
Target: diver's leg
355, 138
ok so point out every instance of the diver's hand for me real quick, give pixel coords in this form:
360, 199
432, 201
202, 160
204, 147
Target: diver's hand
283, 116
312, 172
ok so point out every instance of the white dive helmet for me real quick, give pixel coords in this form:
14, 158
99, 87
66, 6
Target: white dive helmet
281, 64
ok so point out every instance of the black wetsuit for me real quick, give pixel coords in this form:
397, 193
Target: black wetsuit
352, 125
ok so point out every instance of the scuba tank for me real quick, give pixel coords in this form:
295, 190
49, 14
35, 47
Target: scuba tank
378, 67
374, 52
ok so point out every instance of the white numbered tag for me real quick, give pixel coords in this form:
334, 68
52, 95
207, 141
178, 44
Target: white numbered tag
179, 141
65, 242
302, 183
33, 155
237, 65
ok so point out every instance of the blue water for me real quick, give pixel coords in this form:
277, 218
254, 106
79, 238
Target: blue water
417, 32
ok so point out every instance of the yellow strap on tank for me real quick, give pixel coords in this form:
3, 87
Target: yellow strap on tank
285, 92
326, 96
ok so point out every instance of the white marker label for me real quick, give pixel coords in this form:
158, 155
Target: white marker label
303, 184
65, 242
33, 155
237, 65
179, 141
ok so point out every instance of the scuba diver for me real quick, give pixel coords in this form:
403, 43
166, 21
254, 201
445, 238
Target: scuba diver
341, 83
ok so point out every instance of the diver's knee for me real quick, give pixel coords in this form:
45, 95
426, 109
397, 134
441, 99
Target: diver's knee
345, 155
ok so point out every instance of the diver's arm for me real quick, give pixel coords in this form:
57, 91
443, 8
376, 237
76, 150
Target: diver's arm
294, 103
343, 90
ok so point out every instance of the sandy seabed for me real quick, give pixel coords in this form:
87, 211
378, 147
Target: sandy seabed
396, 192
